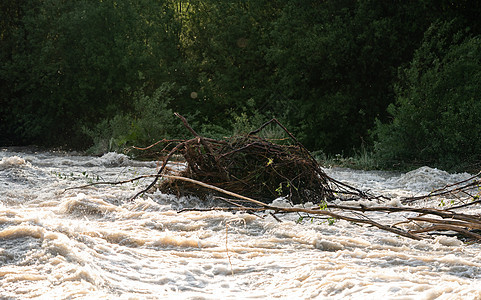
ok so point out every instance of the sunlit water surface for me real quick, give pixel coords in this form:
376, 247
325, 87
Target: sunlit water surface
92, 243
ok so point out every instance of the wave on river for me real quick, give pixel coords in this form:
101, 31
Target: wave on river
93, 243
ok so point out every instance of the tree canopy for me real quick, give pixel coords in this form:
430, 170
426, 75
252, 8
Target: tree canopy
401, 77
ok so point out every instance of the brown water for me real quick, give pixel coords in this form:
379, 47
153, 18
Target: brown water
93, 244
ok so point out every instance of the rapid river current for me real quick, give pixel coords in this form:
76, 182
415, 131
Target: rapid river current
93, 243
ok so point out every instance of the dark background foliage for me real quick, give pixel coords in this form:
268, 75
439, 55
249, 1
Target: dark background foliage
399, 77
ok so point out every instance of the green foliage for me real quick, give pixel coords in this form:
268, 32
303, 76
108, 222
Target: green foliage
88, 177
225, 44
334, 61
438, 107
150, 121
361, 159
71, 63
326, 69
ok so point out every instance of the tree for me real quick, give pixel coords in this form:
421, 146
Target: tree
334, 64
76, 62
438, 104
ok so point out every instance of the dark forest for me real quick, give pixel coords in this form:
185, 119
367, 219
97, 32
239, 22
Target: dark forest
399, 79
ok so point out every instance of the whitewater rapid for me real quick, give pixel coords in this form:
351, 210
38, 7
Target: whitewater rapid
93, 243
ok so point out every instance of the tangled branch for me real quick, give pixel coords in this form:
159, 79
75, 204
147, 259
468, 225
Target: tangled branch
254, 171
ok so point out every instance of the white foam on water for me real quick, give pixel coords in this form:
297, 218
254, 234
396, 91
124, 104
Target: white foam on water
93, 243
13, 161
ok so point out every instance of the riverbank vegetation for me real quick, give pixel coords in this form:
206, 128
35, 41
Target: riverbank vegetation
393, 83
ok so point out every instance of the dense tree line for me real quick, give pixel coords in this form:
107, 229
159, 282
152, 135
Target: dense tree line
402, 78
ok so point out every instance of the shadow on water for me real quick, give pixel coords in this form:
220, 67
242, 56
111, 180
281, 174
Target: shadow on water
14, 250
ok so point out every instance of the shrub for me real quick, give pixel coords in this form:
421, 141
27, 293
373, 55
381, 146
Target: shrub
150, 121
435, 119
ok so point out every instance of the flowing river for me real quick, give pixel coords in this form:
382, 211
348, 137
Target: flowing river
93, 243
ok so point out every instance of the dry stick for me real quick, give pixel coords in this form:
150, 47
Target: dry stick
111, 182
443, 191
166, 160
448, 222
449, 227
230, 201
148, 147
302, 210
464, 205
205, 144
156, 143
243, 208
226, 248
442, 213
216, 189
239, 149
187, 125
274, 120
358, 192
463, 181
275, 217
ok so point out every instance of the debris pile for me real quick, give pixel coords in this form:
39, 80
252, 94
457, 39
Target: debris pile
252, 166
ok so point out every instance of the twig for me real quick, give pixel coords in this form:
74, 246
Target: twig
448, 222
110, 182
464, 205
156, 143
441, 213
275, 217
445, 190
205, 144
262, 204
449, 227
247, 209
227, 248
302, 210
166, 160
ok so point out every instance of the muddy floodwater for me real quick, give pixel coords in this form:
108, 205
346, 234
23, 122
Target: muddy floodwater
93, 243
